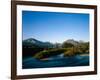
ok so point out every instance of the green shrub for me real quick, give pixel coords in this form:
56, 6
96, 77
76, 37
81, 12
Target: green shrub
69, 52
73, 51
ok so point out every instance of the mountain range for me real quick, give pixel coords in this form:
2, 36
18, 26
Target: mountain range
31, 42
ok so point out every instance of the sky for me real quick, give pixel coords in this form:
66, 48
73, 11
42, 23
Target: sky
55, 26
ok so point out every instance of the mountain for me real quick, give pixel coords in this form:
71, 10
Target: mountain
31, 42
72, 41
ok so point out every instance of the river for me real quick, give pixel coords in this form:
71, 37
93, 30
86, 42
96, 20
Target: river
56, 61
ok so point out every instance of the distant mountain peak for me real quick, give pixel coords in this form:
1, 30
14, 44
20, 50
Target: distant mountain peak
31, 40
72, 41
36, 42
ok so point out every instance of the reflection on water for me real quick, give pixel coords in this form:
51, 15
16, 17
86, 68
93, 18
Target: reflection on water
56, 61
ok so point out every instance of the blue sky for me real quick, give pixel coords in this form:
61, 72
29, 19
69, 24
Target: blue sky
55, 26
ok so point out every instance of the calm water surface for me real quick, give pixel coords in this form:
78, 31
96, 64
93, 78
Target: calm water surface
56, 61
